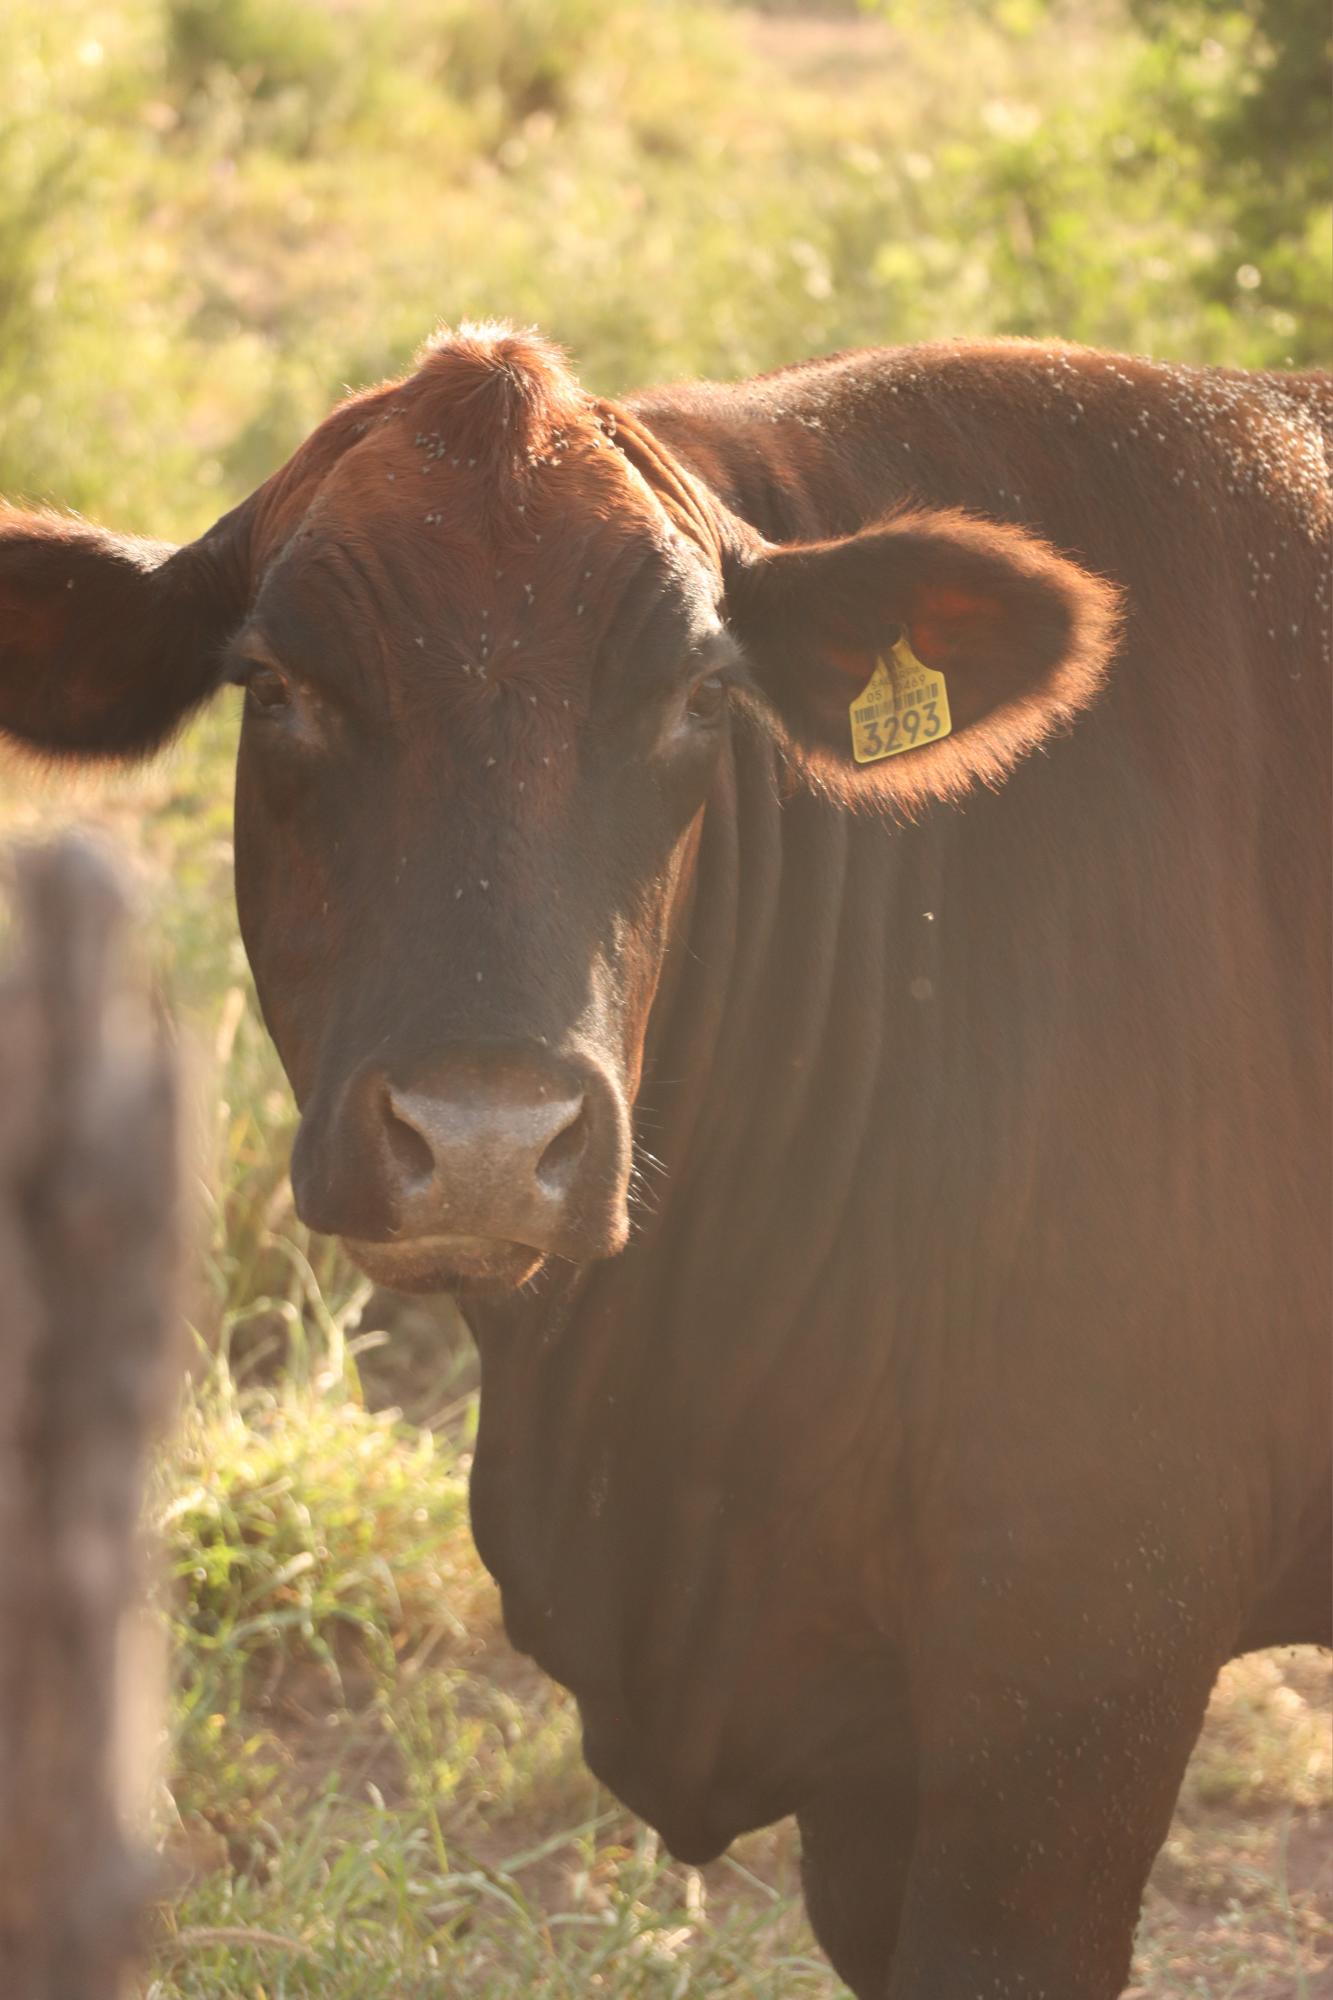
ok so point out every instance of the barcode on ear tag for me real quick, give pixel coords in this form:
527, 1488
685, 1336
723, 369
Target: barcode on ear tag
903, 706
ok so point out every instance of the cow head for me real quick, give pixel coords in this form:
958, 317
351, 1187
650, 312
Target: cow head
492, 639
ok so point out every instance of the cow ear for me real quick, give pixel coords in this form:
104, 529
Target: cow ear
107, 644
1009, 639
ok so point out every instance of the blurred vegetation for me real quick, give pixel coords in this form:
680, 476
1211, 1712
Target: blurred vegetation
214, 214
1254, 135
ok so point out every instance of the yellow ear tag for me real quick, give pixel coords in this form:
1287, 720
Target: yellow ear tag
903, 706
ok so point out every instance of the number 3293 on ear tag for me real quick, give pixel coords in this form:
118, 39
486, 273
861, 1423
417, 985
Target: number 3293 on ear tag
903, 706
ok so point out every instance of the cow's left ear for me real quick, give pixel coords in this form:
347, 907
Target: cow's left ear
107, 644
1018, 636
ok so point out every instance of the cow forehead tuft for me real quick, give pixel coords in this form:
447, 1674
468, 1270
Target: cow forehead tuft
495, 393
483, 494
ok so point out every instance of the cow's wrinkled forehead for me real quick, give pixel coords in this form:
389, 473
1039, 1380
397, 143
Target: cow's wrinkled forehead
480, 515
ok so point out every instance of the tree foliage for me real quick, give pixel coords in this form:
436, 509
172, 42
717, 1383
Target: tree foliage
1259, 136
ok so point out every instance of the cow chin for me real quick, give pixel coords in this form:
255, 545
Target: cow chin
464, 1264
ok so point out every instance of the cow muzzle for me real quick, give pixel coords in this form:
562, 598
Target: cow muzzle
471, 1170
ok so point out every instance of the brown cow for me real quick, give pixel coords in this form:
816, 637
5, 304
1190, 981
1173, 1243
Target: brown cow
890, 1189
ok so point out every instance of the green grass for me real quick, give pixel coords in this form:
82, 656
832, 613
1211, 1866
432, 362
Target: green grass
213, 215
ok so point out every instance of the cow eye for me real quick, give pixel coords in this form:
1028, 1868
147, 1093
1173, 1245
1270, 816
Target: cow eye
707, 697
266, 689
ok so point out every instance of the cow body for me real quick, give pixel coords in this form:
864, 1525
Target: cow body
960, 1402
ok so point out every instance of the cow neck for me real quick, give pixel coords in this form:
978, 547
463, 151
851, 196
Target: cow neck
650, 1389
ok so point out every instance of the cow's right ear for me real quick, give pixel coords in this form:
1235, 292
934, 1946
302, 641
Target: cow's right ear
107, 644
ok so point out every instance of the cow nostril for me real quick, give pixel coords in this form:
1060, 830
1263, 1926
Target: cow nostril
555, 1164
412, 1154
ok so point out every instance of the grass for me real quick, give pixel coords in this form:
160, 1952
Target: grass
213, 214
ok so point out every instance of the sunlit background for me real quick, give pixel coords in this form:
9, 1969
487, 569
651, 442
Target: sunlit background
214, 216
214, 213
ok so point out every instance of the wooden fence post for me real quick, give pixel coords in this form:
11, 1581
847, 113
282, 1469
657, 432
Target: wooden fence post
89, 1238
